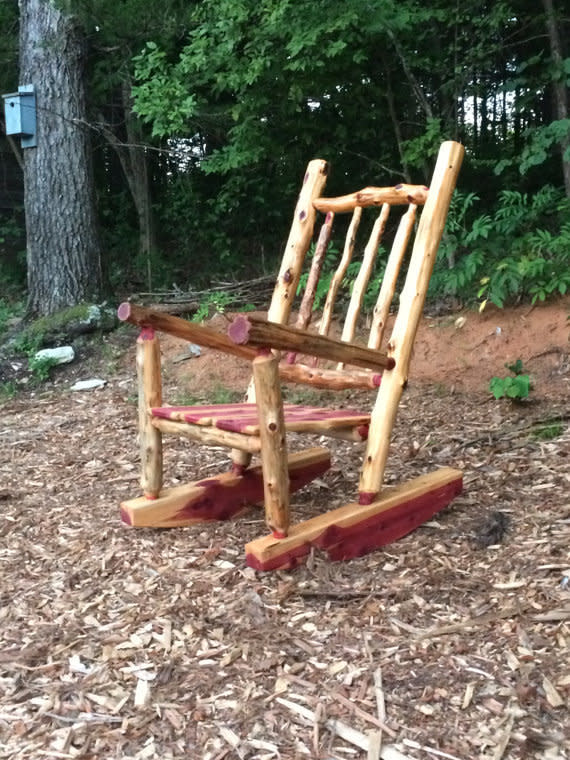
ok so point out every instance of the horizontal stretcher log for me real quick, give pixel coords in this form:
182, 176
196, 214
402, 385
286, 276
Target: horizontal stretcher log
252, 331
209, 436
329, 379
354, 530
398, 195
221, 497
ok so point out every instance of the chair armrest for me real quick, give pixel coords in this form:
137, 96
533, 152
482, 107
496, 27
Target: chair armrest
252, 331
180, 328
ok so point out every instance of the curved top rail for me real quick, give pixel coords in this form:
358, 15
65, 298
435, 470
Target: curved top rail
374, 196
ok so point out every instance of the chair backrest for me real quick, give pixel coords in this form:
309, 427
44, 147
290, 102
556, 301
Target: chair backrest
394, 210
397, 208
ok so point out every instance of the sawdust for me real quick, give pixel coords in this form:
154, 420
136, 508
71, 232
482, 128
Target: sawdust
116, 643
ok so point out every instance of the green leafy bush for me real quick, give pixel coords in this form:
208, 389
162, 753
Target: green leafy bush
521, 251
515, 386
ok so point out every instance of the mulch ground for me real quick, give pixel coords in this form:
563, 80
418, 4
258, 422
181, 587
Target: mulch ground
115, 643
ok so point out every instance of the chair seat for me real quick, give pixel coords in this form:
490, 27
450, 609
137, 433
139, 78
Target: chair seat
243, 418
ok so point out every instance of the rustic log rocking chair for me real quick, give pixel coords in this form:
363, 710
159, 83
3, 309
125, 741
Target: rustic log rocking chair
260, 425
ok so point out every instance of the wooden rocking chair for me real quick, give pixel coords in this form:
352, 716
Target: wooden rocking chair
260, 425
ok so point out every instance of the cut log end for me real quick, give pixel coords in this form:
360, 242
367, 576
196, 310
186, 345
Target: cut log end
124, 311
239, 329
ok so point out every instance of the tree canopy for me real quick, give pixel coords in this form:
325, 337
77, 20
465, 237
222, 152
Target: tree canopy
227, 100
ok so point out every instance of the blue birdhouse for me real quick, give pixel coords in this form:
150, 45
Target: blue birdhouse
20, 113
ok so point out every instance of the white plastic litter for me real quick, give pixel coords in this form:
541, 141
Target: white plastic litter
88, 385
59, 355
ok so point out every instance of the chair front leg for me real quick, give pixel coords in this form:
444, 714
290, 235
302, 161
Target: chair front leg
273, 442
149, 395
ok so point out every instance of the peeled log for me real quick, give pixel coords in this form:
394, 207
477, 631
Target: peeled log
252, 331
180, 328
398, 195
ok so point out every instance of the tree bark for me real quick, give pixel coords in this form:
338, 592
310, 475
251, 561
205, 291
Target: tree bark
559, 84
63, 249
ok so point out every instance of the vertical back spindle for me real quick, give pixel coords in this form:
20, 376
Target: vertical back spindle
359, 289
393, 266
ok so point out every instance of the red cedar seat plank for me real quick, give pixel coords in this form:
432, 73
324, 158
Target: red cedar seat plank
342, 535
242, 418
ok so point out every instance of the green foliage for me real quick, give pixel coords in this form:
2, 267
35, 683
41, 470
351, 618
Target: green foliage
515, 386
217, 301
7, 391
9, 310
541, 142
522, 250
28, 342
40, 368
420, 150
12, 254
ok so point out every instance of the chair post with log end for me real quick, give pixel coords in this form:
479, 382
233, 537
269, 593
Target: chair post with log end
273, 442
149, 396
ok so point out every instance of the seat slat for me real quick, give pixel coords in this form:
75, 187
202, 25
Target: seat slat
243, 418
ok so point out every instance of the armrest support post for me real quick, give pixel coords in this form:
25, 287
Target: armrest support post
149, 395
273, 442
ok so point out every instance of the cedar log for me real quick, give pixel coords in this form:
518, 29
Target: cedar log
391, 273
306, 308
149, 394
252, 331
180, 328
339, 274
273, 443
220, 497
374, 196
353, 529
363, 276
300, 236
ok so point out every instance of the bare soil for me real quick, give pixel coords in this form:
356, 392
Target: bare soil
117, 643
462, 351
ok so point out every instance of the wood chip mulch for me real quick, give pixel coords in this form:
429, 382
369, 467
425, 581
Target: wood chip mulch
115, 643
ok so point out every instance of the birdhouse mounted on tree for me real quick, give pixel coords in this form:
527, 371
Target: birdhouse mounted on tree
20, 113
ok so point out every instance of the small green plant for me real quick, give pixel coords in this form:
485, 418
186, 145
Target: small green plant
7, 391
40, 368
515, 386
214, 301
27, 343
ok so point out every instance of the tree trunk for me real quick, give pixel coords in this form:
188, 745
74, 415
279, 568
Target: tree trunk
559, 84
134, 162
63, 250
137, 177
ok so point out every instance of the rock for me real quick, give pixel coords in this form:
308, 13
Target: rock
59, 355
88, 385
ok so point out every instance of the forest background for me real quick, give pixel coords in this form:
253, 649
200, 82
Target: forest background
177, 134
